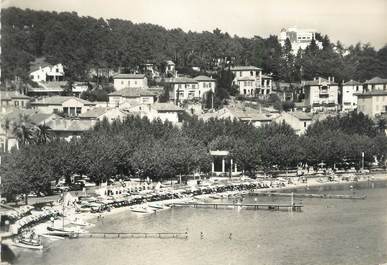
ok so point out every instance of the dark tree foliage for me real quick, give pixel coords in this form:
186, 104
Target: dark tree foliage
82, 43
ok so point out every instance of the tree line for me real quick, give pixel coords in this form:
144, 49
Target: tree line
156, 150
82, 43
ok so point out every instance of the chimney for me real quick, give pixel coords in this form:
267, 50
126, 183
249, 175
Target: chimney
329, 79
319, 80
333, 79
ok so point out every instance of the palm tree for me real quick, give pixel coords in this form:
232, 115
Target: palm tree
22, 130
6, 125
381, 125
43, 134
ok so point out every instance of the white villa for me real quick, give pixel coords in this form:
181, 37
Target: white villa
70, 106
182, 88
251, 82
349, 97
98, 114
321, 94
47, 72
205, 84
122, 81
299, 38
130, 96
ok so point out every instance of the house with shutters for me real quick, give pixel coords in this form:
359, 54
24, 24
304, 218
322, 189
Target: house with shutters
349, 93
321, 94
68, 106
122, 81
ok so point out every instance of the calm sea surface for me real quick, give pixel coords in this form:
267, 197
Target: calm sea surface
326, 232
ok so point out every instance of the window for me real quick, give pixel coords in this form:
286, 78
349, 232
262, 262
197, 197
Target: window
16, 103
240, 74
251, 73
244, 91
66, 110
304, 124
72, 111
199, 92
79, 110
57, 70
129, 83
135, 82
209, 85
244, 83
122, 82
55, 110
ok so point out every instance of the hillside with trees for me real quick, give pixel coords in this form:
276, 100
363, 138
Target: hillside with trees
82, 43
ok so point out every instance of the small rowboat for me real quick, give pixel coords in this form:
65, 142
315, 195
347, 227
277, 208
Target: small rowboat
145, 210
23, 243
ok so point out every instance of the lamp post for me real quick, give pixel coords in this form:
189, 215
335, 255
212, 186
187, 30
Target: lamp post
362, 161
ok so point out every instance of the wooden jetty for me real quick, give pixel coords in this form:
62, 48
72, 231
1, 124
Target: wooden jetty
311, 195
254, 206
115, 235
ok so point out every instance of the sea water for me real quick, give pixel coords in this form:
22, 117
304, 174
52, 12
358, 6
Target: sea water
327, 231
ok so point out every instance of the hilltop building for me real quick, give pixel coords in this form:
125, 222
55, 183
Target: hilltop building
299, 38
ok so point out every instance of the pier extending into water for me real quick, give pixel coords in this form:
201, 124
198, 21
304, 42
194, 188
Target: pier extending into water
310, 195
115, 235
253, 206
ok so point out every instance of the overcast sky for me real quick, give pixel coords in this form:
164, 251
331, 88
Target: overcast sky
349, 21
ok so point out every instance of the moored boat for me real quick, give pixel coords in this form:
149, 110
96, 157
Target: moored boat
142, 209
28, 244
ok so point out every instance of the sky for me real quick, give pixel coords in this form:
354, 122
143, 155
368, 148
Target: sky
349, 21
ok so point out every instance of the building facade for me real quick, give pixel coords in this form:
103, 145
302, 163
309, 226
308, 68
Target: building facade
13, 100
205, 84
321, 94
299, 38
375, 84
349, 97
47, 73
372, 103
69, 106
122, 81
299, 121
130, 96
180, 89
248, 79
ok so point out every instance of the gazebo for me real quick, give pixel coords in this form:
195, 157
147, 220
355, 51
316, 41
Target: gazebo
222, 162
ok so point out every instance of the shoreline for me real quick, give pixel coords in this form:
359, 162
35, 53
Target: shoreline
297, 186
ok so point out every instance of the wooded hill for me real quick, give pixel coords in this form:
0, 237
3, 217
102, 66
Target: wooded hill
81, 43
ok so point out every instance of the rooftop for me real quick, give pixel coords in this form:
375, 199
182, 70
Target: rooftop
180, 80
301, 115
166, 107
351, 83
59, 100
372, 93
70, 125
129, 76
246, 113
8, 95
245, 68
318, 82
376, 80
132, 92
94, 113
203, 78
